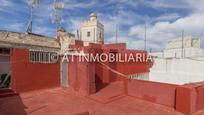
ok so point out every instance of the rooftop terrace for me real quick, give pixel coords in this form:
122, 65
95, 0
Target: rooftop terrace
59, 101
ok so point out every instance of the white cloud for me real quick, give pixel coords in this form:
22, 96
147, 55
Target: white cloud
170, 26
161, 28
136, 34
167, 17
196, 5
74, 24
159, 32
131, 25
158, 4
127, 2
123, 18
73, 5
191, 5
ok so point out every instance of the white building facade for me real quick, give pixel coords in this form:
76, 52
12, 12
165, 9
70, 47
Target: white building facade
182, 61
181, 48
92, 31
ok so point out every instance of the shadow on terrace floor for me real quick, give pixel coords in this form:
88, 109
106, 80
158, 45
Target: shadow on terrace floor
11, 104
99, 83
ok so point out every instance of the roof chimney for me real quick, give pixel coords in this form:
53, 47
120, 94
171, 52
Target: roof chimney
60, 32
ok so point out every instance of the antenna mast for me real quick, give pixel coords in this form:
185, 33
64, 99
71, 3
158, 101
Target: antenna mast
78, 37
116, 33
33, 4
145, 37
182, 47
57, 7
201, 38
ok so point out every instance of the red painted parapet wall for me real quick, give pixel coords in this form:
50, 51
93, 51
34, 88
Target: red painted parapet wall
28, 76
83, 77
118, 46
160, 93
189, 98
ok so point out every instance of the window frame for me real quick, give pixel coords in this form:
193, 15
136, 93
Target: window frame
42, 57
88, 34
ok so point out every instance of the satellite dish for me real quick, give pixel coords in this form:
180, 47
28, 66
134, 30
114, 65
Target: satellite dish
33, 3
56, 18
57, 7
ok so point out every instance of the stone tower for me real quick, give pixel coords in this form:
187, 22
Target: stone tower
92, 31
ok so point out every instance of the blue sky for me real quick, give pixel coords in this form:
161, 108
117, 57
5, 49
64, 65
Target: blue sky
165, 18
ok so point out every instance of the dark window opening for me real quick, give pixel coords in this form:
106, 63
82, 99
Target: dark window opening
88, 34
5, 80
4, 51
5, 71
100, 36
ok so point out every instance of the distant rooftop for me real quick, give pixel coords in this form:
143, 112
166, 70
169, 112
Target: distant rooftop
28, 39
186, 42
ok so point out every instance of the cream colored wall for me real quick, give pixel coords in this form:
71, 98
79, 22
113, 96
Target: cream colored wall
65, 41
100, 40
91, 38
95, 28
174, 49
157, 54
187, 42
187, 52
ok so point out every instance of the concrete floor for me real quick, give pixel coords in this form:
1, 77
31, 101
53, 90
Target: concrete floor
60, 101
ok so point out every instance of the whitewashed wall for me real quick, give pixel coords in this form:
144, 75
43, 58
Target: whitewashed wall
187, 52
177, 71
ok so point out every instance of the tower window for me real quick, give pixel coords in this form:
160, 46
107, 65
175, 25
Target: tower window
88, 34
100, 36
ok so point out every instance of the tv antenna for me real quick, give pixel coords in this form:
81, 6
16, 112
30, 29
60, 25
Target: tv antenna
56, 18
32, 4
116, 33
145, 37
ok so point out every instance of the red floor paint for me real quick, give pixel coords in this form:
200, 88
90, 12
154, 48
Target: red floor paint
109, 93
65, 102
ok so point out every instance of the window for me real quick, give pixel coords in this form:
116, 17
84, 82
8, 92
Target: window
4, 51
88, 34
142, 76
43, 57
100, 35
